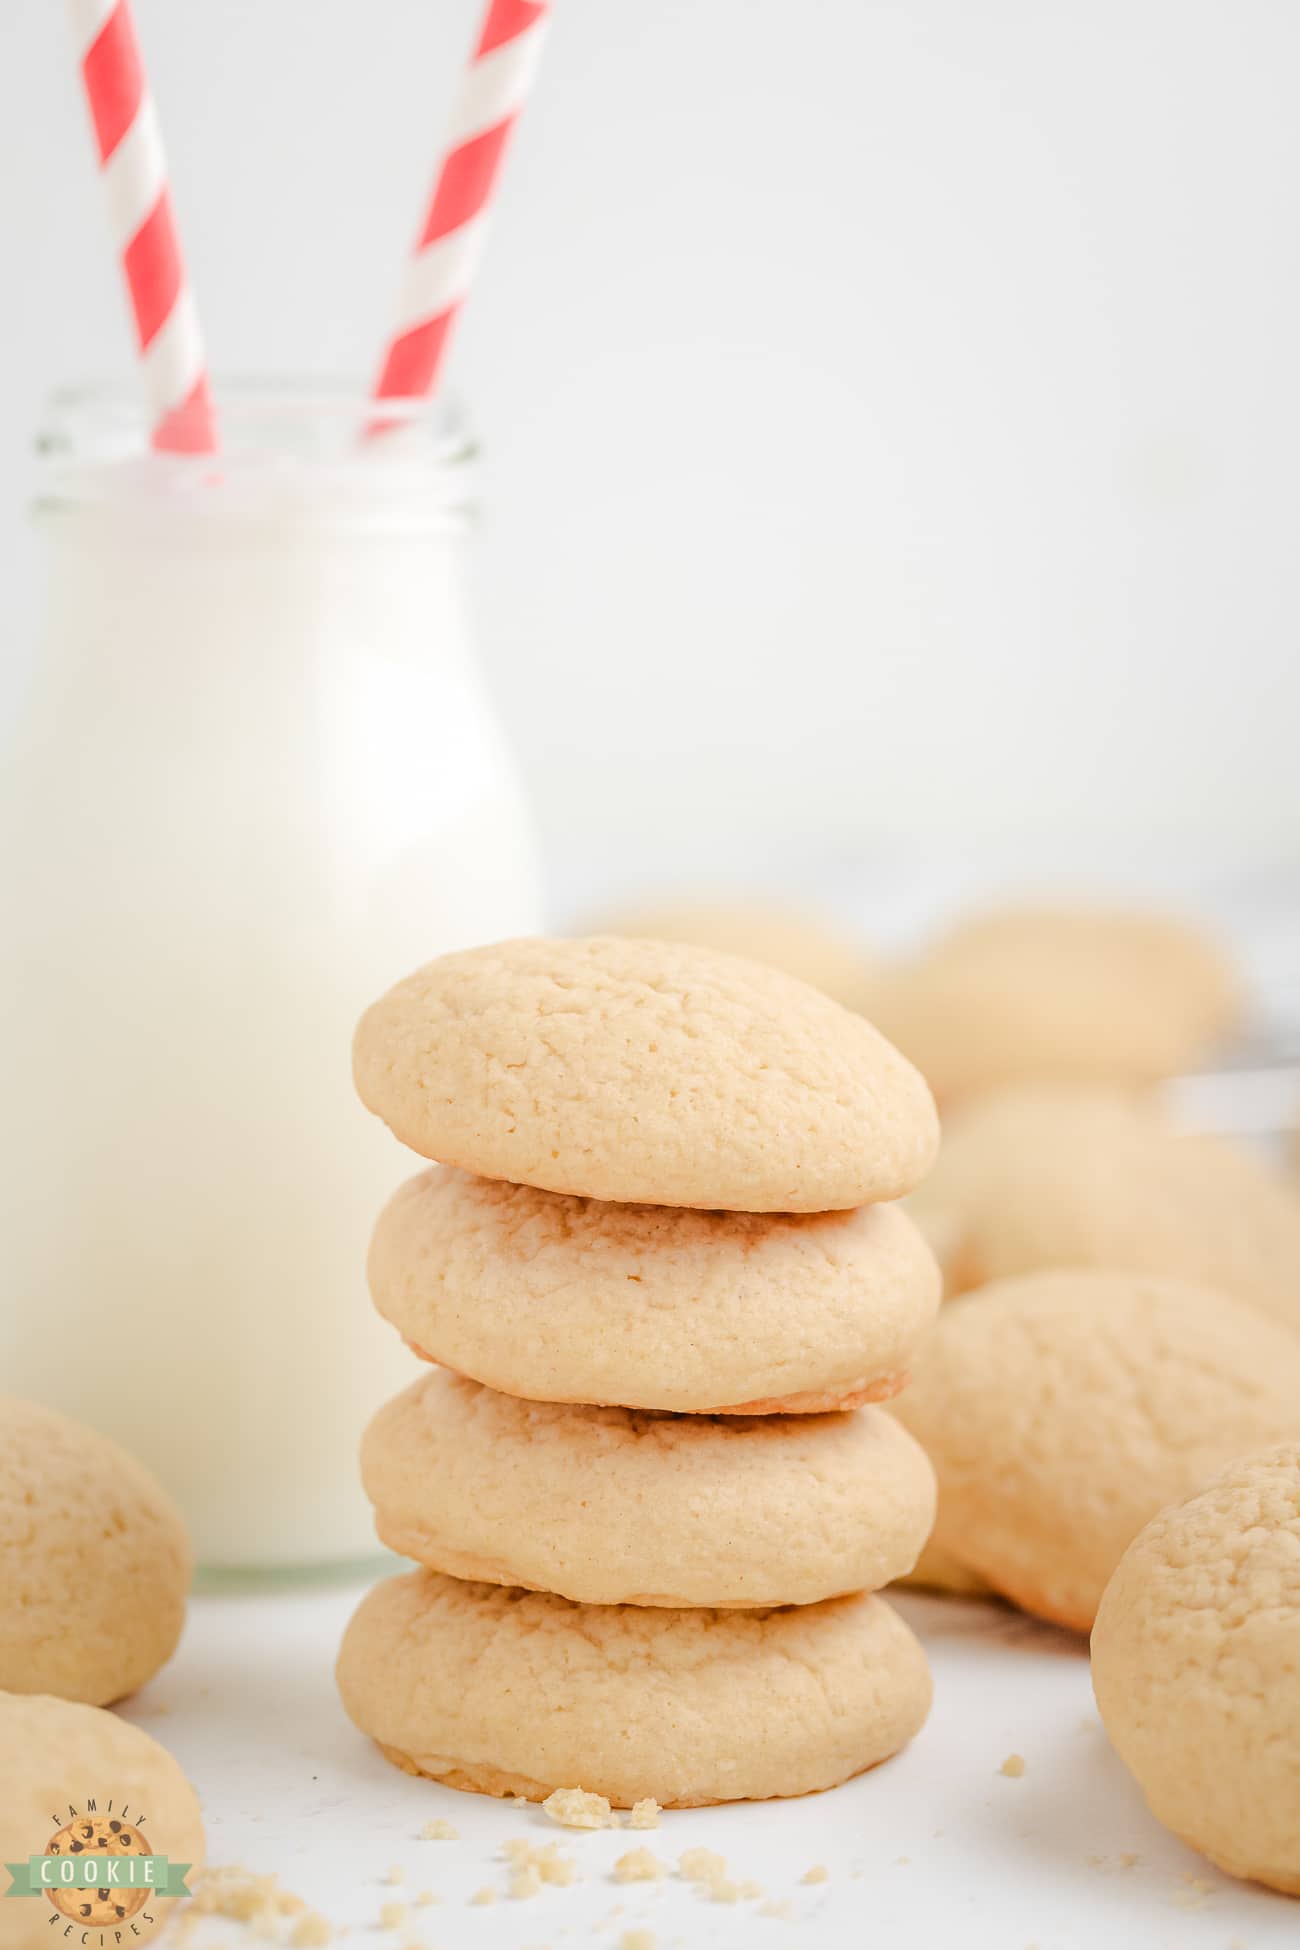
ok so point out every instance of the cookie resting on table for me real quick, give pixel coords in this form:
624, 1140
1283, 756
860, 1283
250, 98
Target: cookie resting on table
504, 1692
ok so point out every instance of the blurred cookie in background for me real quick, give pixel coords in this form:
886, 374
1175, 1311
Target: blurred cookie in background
795, 939
1063, 1409
94, 1561
1060, 994
946, 1231
1037, 1177
936, 1569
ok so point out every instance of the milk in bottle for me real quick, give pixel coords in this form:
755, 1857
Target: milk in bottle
256, 780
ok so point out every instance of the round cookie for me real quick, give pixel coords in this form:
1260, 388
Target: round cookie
646, 1072
1195, 1671
517, 1692
94, 1561
801, 944
1038, 1177
1062, 1410
57, 1754
645, 1306
614, 1506
1060, 994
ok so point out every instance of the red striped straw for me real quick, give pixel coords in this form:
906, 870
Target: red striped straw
144, 228
450, 242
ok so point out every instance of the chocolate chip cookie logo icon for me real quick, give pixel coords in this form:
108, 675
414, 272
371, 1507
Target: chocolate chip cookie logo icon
100, 1875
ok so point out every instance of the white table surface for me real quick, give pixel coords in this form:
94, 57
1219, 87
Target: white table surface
938, 1847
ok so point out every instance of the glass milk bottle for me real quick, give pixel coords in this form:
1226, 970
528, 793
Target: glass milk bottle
256, 780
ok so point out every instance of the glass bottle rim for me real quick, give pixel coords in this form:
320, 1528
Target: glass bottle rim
318, 449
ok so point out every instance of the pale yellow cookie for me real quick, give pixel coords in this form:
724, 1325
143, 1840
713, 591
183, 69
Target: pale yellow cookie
94, 1561
644, 1071
59, 1755
1060, 994
645, 1306
1037, 1177
799, 942
503, 1691
615, 1506
1196, 1667
1062, 1410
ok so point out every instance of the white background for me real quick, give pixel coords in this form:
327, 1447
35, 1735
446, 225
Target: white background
892, 404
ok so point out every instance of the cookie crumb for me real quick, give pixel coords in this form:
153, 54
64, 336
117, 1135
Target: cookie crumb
439, 1831
525, 1880
482, 1897
1013, 1766
645, 1814
638, 1865
701, 1865
396, 1874
818, 1873
1130, 1862
782, 1910
392, 1915
575, 1808
547, 1864
903, 1861
310, 1932
425, 1898
708, 1873
637, 1940
235, 1893
1196, 1893
749, 1892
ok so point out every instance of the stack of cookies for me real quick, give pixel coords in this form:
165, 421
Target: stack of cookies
661, 1279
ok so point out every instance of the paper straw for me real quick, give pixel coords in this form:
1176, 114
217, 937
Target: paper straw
144, 228
450, 242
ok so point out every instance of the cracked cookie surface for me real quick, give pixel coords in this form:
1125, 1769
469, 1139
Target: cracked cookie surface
507, 1691
644, 1071
615, 1506
1062, 1410
568, 1299
1196, 1667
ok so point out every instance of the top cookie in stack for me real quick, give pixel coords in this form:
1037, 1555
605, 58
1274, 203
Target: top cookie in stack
658, 1252
645, 1072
